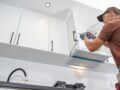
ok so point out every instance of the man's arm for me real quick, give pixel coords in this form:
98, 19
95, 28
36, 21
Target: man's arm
94, 44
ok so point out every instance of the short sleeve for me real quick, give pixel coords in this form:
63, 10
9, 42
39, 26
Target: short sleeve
106, 33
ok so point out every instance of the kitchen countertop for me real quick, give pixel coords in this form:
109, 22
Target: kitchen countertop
25, 86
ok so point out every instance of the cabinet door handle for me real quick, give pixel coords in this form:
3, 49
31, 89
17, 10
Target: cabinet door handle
74, 32
11, 37
51, 45
18, 39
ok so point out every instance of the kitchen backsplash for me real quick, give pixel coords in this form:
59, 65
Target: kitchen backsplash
47, 75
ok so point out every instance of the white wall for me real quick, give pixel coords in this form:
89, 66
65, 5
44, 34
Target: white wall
42, 74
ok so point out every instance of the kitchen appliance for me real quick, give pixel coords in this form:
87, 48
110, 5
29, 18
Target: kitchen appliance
76, 86
78, 53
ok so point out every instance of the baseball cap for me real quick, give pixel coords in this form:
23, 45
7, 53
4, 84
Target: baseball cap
114, 9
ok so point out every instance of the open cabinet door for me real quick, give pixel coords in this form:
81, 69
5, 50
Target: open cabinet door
71, 30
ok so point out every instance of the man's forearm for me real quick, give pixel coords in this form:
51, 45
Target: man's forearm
89, 44
93, 45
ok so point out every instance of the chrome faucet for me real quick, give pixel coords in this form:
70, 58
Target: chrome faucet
18, 69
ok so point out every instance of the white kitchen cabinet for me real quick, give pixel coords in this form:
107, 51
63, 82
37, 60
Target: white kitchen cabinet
9, 21
33, 30
72, 34
58, 36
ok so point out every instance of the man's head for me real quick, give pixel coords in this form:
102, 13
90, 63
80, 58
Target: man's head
109, 14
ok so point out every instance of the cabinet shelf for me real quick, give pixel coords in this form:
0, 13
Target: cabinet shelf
45, 57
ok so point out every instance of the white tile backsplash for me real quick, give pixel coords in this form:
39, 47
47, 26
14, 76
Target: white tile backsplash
47, 75
5, 68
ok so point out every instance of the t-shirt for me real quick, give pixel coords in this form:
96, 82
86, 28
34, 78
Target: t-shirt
111, 33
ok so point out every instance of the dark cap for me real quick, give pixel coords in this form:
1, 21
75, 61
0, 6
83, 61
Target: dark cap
114, 9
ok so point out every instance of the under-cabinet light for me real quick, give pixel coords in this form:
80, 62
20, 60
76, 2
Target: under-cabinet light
79, 67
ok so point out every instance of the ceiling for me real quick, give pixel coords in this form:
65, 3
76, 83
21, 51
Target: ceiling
57, 6
100, 4
61, 7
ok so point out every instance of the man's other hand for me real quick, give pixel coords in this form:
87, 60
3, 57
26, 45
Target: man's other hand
83, 35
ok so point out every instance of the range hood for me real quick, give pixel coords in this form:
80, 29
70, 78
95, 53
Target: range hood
83, 59
84, 64
78, 53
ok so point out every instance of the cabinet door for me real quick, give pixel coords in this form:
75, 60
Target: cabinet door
9, 20
58, 35
33, 30
72, 35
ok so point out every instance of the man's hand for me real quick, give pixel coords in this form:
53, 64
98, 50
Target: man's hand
88, 35
94, 44
83, 35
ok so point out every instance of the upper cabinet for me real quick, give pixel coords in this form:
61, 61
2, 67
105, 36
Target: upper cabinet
33, 30
58, 36
72, 32
43, 29
52, 25
9, 21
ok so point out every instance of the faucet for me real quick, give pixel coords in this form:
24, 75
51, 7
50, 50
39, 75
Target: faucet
15, 71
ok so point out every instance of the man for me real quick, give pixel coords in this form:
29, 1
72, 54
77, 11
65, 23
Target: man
109, 36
